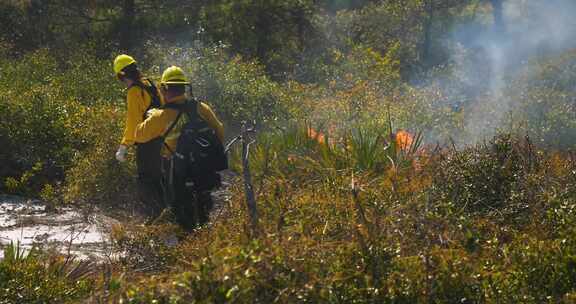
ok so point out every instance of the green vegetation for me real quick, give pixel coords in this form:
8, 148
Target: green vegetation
331, 232
395, 161
27, 277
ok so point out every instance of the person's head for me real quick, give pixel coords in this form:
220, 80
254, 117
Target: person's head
126, 69
174, 82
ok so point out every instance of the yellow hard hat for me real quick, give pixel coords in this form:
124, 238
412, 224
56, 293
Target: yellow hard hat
121, 62
174, 75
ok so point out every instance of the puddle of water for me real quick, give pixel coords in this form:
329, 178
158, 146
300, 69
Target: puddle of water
7, 221
26, 222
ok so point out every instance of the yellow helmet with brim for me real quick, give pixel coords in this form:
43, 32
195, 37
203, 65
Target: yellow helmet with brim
121, 62
174, 75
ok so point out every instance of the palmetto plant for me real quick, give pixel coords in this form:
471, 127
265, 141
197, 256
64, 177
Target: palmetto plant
27, 276
363, 148
14, 253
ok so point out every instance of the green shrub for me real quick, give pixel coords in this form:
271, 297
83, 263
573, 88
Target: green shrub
36, 132
540, 100
28, 277
95, 177
486, 177
145, 249
61, 118
237, 88
45, 115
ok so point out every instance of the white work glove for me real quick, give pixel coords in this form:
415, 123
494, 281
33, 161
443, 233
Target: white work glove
121, 153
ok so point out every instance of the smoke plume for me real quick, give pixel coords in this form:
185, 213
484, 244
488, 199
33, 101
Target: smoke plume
487, 59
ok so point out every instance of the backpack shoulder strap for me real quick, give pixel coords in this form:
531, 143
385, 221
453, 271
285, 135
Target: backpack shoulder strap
170, 130
152, 90
193, 109
190, 107
172, 125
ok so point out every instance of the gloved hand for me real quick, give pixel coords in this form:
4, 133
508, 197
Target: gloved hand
121, 153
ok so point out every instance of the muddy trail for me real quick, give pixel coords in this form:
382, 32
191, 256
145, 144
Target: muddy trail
70, 230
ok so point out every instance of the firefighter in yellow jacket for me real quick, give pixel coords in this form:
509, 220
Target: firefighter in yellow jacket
173, 88
142, 96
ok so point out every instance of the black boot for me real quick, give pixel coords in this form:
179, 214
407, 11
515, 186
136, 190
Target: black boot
204, 206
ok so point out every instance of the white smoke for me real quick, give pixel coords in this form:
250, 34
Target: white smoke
486, 60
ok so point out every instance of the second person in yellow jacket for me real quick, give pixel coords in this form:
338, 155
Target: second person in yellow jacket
142, 96
158, 122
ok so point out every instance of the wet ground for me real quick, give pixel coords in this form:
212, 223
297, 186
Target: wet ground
30, 223
67, 230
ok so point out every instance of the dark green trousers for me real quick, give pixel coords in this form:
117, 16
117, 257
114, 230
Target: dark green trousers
192, 199
150, 186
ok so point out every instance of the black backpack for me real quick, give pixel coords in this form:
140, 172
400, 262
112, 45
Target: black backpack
152, 90
199, 150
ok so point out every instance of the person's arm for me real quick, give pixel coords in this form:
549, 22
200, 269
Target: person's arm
137, 105
208, 115
152, 127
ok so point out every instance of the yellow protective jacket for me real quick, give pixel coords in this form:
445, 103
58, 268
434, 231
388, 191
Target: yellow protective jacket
159, 120
138, 101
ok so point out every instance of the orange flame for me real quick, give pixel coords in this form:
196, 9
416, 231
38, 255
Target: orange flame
316, 135
404, 139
